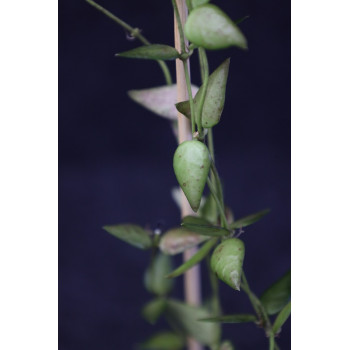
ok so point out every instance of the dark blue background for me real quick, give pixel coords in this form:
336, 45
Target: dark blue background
115, 164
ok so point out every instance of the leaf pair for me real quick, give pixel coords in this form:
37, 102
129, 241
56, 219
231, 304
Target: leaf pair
214, 98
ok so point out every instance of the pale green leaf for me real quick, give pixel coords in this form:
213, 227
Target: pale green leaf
155, 280
179, 239
153, 310
132, 234
184, 318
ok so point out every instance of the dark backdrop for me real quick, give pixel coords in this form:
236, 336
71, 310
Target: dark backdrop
115, 164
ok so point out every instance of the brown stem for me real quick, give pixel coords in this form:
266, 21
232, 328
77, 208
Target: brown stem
192, 277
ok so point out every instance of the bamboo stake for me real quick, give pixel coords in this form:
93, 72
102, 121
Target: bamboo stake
192, 283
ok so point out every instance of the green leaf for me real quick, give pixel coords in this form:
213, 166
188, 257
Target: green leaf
152, 310
132, 234
203, 227
184, 318
277, 295
227, 261
151, 52
196, 3
195, 259
214, 99
209, 210
154, 275
238, 318
163, 341
215, 96
281, 318
209, 27
177, 240
184, 108
250, 219
226, 345
159, 100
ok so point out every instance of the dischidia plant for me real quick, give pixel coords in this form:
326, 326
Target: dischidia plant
199, 26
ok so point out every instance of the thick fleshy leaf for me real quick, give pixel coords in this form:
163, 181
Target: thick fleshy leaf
191, 164
278, 295
154, 275
281, 318
184, 318
226, 345
132, 234
209, 27
151, 52
153, 310
227, 261
163, 341
196, 3
194, 260
250, 219
203, 227
215, 97
238, 318
177, 240
159, 100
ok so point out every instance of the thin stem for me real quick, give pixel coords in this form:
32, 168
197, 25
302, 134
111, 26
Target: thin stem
190, 98
179, 27
187, 75
272, 342
218, 203
211, 144
135, 32
258, 307
205, 77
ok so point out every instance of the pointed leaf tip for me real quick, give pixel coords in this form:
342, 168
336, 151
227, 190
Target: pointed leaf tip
130, 233
151, 52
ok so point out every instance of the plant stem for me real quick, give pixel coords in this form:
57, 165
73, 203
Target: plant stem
192, 277
205, 77
218, 203
135, 32
257, 306
185, 63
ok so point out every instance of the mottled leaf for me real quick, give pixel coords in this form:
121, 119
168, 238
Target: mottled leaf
227, 261
194, 260
215, 96
151, 52
238, 318
153, 310
184, 318
250, 219
278, 295
159, 100
177, 240
155, 280
281, 318
209, 27
163, 341
132, 234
